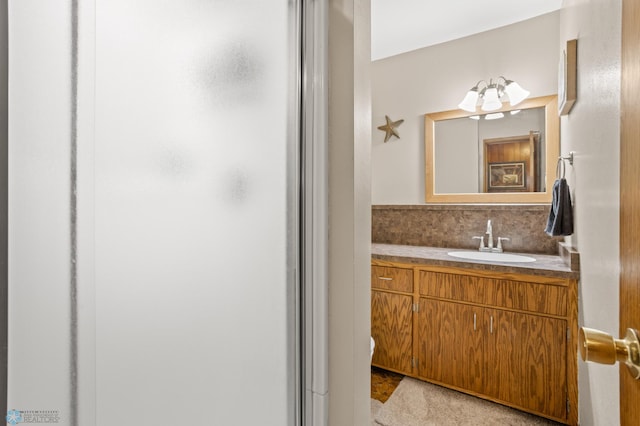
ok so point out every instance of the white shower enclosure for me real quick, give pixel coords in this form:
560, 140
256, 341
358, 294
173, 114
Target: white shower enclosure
157, 214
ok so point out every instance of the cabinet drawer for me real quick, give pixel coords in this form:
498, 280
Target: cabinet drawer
451, 286
390, 278
521, 295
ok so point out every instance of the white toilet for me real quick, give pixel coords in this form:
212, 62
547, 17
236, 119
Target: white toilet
373, 345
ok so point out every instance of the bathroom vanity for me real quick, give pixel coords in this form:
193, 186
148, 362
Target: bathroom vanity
506, 332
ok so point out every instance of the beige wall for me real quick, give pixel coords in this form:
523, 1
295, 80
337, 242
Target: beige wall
436, 78
349, 212
592, 130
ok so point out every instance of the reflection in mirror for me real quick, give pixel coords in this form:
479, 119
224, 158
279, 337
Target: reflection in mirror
475, 154
489, 159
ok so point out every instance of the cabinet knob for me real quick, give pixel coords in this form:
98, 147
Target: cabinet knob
600, 347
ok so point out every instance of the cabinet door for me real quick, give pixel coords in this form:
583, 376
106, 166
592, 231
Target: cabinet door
392, 330
450, 344
526, 361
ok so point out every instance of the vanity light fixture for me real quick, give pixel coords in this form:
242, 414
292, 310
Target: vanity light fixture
492, 95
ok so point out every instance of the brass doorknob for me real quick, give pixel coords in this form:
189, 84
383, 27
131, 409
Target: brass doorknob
600, 347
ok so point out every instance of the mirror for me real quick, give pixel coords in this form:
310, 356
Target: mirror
507, 160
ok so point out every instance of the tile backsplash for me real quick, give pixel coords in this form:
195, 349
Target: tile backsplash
454, 226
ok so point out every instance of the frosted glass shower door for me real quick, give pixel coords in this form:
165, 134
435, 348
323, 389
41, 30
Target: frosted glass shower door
153, 212
193, 151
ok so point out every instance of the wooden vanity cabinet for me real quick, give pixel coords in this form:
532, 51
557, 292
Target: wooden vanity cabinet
505, 337
392, 318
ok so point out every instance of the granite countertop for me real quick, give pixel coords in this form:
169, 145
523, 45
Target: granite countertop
545, 265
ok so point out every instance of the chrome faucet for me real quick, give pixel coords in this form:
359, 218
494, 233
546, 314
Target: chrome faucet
489, 246
490, 233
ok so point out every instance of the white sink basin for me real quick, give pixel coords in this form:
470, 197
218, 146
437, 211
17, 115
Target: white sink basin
491, 257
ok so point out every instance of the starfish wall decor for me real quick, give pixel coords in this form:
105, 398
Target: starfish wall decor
390, 128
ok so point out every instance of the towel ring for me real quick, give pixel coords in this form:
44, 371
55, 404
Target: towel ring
561, 166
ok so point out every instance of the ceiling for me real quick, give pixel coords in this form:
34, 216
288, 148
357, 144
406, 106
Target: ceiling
399, 26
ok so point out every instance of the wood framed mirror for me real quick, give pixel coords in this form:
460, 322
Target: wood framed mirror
462, 156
